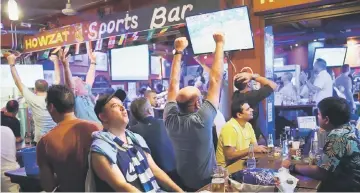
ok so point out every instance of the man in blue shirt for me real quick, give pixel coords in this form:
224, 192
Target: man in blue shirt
154, 132
339, 165
189, 123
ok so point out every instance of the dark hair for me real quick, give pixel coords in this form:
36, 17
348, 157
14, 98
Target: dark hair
321, 62
240, 85
345, 68
12, 106
61, 97
41, 85
337, 109
236, 107
200, 70
138, 108
191, 82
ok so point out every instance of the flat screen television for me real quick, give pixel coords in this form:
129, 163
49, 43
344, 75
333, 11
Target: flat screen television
332, 56
130, 63
234, 23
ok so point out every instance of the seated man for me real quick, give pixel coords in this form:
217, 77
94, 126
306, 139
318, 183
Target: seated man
62, 153
8, 118
154, 132
237, 135
339, 165
121, 160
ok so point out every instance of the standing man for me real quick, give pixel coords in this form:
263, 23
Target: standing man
345, 81
338, 167
237, 135
36, 101
323, 84
245, 92
84, 99
189, 123
62, 153
151, 96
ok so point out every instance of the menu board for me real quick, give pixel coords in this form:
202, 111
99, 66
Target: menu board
307, 122
27, 73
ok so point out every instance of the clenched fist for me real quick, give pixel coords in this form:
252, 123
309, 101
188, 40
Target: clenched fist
11, 59
54, 58
181, 43
219, 37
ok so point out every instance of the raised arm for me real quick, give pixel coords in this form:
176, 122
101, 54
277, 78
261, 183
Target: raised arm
217, 71
55, 60
180, 44
262, 80
67, 71
90, 76
11, 61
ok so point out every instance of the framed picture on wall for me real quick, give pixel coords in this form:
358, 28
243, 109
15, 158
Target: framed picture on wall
80, 60
118, 86
49, 76
101, 61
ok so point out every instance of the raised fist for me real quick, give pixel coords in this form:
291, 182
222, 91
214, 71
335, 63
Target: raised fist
219, 37
54, 58
11, 59
181, 43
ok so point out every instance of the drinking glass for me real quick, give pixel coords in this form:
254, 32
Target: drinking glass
218, 179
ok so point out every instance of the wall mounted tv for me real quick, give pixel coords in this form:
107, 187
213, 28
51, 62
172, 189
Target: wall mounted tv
333, 56
130, 63
234, 23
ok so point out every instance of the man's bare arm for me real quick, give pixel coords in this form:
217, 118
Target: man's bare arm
11, 61
67, 71
180, 44
55, 60
90, 76
217, 71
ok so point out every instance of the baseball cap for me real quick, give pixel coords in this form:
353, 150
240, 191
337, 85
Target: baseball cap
104, 99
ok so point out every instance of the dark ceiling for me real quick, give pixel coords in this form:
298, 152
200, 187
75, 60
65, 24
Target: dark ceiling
341, 27
37, 9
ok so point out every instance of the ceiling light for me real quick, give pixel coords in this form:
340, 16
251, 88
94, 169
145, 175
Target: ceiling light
205, 57
13, 10
315, 40
296, 44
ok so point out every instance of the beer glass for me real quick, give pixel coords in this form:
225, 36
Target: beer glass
218, 180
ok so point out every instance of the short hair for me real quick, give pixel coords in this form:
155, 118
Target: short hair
345, 68
236, 107
240, 84
12, 106
337, 109
138, 108
288, 75
61, 97
41, 85
147, 92
321, 62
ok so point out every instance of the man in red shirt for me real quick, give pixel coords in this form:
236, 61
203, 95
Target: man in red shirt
62, 153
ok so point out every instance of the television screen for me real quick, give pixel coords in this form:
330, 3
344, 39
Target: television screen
234, 23
332, 56
130, 63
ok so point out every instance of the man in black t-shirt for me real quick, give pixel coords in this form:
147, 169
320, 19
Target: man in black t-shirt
8, 118
247, 92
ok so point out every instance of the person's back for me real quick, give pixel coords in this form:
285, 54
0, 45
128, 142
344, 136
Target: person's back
66, 149
154, 132
345, 175
8, 159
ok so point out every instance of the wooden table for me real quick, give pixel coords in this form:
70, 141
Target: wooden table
305, 184
27, 183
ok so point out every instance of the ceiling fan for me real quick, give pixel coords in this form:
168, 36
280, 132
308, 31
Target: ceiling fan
69, 10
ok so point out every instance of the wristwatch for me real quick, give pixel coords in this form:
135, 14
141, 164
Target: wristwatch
255, 76
93, 63
292, 168
175, 52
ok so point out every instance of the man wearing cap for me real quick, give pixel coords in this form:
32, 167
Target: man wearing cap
62, 153
121, 160
36, 101
189, 123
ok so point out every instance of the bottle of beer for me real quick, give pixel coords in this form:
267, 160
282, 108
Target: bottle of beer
270, 145
251, 161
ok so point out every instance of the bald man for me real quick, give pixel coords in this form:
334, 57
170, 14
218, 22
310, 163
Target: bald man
189, 122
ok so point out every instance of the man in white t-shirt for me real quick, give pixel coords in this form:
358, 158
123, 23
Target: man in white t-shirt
323, 84
42, 120
8, 159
